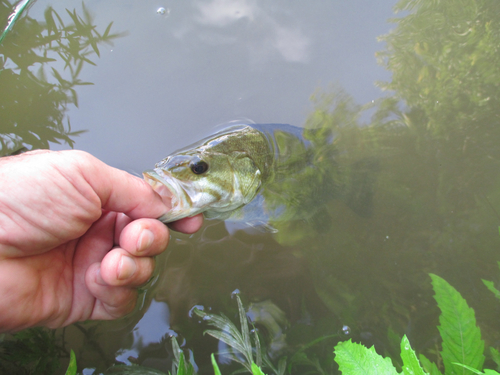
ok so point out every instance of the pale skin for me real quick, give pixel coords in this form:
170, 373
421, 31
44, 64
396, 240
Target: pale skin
77, 237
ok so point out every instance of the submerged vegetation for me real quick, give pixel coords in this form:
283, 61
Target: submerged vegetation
461, 353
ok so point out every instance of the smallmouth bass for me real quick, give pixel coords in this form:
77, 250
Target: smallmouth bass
224, 172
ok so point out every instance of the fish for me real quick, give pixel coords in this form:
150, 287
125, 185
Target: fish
253, 173
220, 174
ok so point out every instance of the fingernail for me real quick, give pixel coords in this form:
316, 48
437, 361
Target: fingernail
145, 240
126, 268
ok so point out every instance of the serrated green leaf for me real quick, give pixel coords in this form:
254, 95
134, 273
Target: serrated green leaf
356, 359
429, 366
72, 364
411, 365
461, 337
495, 356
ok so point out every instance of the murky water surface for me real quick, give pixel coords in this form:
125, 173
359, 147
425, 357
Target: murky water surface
404, 182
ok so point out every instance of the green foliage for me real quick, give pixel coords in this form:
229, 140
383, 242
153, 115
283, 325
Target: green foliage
491, 286
238, 341
356, 359
215, 366
180, 365
429, 366
34, 96
72, 364
462, 346
256, 370
411, 365
32, 351
461, 337
495, 356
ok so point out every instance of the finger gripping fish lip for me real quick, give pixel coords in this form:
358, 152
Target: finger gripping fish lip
171, 191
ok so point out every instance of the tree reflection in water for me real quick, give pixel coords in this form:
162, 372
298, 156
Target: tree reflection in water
35, 93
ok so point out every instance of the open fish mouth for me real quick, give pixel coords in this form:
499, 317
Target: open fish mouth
170, 189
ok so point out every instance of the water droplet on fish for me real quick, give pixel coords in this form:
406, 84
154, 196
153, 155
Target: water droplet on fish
235, 293
163, 12
346, 330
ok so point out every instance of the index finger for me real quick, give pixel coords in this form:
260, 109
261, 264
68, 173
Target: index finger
118, 190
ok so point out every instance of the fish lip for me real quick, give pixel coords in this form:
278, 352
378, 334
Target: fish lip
157, 182
171, 193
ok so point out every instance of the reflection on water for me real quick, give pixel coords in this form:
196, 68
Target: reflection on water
35, 90
430, 158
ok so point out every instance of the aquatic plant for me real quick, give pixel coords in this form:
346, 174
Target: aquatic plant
32, 351
240, 347
72, 369
462, 346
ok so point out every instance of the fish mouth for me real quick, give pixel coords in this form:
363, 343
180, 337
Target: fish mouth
170, 190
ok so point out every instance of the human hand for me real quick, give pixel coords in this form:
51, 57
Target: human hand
76, 238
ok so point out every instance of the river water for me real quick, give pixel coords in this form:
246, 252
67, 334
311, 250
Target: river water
417, 158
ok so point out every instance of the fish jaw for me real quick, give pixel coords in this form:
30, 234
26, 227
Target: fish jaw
171, 189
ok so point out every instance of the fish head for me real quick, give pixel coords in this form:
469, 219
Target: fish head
212, 178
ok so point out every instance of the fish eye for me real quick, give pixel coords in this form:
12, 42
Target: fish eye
199, 167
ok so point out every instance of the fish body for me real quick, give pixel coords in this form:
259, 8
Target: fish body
222, 173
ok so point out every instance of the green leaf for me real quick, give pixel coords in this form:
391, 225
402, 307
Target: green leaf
491, 286
411, 365
256, 370
495, 356
182, 366
356, 359
214, 364
461, 337
429, 366
72, 364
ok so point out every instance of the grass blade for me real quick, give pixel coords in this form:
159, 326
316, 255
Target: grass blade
72, 364
214, 364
